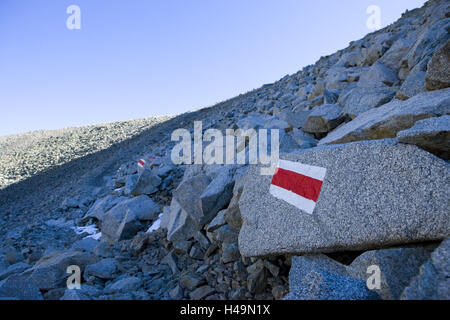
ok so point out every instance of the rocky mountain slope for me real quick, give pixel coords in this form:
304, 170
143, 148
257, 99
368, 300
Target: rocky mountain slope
375, 116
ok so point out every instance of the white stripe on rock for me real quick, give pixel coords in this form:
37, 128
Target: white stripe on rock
293, 199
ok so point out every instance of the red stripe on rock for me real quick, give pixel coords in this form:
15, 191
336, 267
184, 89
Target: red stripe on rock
304, 186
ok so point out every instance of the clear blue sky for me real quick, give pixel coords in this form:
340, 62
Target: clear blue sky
140, 58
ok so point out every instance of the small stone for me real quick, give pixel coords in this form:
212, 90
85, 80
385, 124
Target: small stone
201, 293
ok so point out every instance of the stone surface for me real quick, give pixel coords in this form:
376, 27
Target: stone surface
201, 293
14, 269
188, 196
378, 75
433, 280
102, 206
317, 277
360, 100
395, 116
123, 220
104, 269
181, 225
413, 85
230, 253
127, 284
191, 281
372, 200
216, 196
50, 271
147, 183
432, 134
323, 119
18, 287
257, 277
397, 267
438, 73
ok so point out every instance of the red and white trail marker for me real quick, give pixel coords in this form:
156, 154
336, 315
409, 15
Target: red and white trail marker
298, 184
141, 163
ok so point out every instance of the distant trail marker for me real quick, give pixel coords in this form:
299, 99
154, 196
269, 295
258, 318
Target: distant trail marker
298, 184
141, 163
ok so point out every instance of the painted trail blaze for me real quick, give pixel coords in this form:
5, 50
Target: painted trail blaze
298, 184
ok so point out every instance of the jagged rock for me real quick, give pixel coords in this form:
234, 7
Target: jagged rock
201, 293
279, 292
433, 280
50, 272
397, 267
139, 243
317, 90
218, 221
130, 182
323, 119
225, 235
103, 250
295, 118
395, 116
393, 57
102, 206
202, 240
360, 100
165, 219
14, 269
413, 85
128, 284
176, 293
257, 277
182, 246
375, 194
188, 196
216, 196
317, 277
196, 253
86, 244
171, 261
181, 225
104, 269
191, 281
18, 287
377, 76
147, 183
303, 140
349, 59
438, 73
230, 253
432, 134
331, 96
431, 38
123, 220
274, 269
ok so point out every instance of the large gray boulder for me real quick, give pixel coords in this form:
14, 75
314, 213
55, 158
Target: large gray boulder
323, 119
102, 206
217, 195
387, 120
397, 267
433, 280
147, 183
188, 195
432, 37
181, 225
375, 194
360, 100
123, 220
19, 288
317, 277
413, 85
50, 272
438, 73
378, 75
432, 134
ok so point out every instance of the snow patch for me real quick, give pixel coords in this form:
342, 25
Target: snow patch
155, 225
